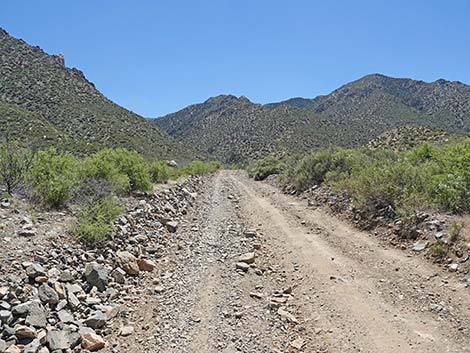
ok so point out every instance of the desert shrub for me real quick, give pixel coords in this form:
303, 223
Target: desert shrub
262, 168
161, 172
423, 177
455, 231
200, 168
124, 170
95, 222
15, 164
421, 154
52, 176
387, 183
439, 249
90, 190
333, 165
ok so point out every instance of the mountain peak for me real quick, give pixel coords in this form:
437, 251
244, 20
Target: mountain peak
45, 95
3, 33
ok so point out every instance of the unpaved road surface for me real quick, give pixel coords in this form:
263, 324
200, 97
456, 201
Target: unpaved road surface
317, 284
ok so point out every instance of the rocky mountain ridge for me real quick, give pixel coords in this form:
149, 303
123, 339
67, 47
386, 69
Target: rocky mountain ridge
350, 116
66, 108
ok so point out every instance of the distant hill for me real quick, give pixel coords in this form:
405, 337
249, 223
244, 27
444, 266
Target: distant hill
43, 102
236, 130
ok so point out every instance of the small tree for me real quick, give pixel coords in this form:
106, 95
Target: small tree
15, 163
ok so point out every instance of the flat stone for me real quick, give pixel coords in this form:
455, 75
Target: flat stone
90, 340
119, 275
248, 258
65, 316
37, 315
5, 306
242, 266
57, 340
41, 279
5, 315
66, 276
286, 315
256, 295
126, 331
74, 288
73, 301
25, 332
59, 288
146, 265
47, 294
21, 309
26, 232
35, 270
96, 320
128, 262
420, 246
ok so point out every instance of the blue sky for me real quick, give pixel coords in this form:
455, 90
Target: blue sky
156, 57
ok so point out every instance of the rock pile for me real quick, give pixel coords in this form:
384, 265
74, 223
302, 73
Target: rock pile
66, 298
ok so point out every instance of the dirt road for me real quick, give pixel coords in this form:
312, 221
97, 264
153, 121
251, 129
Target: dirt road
317, 284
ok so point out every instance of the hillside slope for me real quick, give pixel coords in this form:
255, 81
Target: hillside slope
236, 130
440, 104
41, 89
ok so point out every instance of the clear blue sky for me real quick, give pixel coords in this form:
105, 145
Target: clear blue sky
156, 57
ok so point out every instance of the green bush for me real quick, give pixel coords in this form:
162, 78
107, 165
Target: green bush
95, 222
15, 163
332, 165
160, 172
424, 177
262, 168
200, 168
124, 170
439, 249
52, 177
455, 231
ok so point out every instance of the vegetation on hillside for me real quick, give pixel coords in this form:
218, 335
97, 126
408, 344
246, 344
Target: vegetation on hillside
44, 103
424, 177
55, 179
235, 130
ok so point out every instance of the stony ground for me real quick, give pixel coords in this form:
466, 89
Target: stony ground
232, 265
316, 284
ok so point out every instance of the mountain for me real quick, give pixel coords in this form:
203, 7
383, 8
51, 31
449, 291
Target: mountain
43, 102
236, 130
443, 104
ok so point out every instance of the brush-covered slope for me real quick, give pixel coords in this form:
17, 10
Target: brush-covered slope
60, 104
236, 130
441, 104
406, 137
